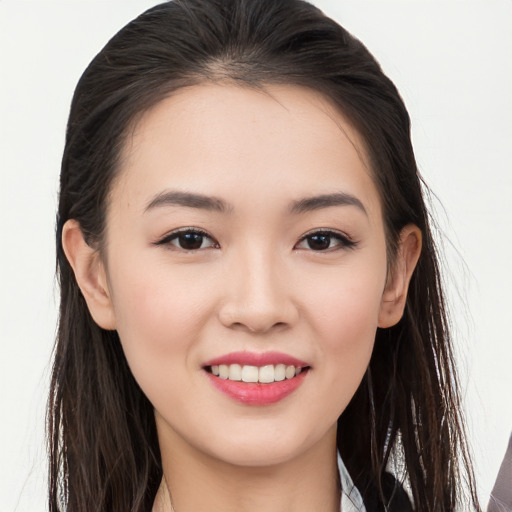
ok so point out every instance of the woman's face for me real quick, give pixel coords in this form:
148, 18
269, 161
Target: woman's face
244, 231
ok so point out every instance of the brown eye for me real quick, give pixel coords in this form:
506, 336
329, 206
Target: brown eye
325, 240
188, 240
319, 242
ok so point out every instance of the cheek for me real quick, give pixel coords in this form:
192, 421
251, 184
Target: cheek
351, 320
345, 318
159, 315
346, 310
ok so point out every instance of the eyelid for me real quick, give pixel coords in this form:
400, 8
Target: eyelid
345, 240
167, 238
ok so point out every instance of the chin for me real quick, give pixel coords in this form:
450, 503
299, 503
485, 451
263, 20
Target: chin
267, 447
256, 457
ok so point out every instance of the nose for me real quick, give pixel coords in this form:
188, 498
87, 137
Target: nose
258, 297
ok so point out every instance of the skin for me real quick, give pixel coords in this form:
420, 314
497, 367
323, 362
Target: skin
254, 284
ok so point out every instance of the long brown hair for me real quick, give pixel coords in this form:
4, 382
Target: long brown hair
405, 417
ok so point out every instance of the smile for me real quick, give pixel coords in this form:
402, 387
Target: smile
256, 379
263, 374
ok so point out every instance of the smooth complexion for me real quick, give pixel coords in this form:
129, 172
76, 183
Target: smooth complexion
245, 220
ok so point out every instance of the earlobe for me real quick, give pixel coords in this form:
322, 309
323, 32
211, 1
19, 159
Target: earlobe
89, 273
395, 294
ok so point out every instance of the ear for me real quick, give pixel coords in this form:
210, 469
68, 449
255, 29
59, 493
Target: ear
89, 273
395, 294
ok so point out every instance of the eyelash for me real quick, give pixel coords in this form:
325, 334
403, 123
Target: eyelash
168, 239
344, 241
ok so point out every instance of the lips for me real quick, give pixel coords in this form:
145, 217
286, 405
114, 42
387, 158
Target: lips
256, 359
256, 378
263, 374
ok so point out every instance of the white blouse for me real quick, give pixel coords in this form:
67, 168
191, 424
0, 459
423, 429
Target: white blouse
351, 500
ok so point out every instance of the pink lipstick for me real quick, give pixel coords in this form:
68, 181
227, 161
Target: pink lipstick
256, 378
256, 359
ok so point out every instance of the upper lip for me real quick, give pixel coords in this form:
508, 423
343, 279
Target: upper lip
244, 358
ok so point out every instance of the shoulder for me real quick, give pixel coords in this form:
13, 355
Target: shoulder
397, 499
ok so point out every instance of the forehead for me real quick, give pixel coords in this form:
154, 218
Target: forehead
222, 138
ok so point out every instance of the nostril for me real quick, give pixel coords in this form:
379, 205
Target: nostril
263, 328
258, 316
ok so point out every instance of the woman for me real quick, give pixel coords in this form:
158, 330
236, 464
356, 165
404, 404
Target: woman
251, 311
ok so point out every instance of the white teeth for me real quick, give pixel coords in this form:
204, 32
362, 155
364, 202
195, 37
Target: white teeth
266, 374
235, 372
250, 374
263, 374
280, 372
289, 372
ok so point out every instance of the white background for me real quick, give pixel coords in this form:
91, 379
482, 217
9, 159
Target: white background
452, 62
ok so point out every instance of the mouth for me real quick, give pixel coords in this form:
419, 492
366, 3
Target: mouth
256, 379
267, 374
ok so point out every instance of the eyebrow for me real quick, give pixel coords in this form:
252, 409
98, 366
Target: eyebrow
325, 201
189, 200
211, 203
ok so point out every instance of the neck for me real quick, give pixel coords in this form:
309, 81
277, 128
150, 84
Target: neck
194, 481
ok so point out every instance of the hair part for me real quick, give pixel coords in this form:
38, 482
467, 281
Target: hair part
103, 446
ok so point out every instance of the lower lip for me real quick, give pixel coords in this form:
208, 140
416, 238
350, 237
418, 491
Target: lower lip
257, 394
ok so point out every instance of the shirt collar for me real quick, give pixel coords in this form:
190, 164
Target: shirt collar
351, 500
